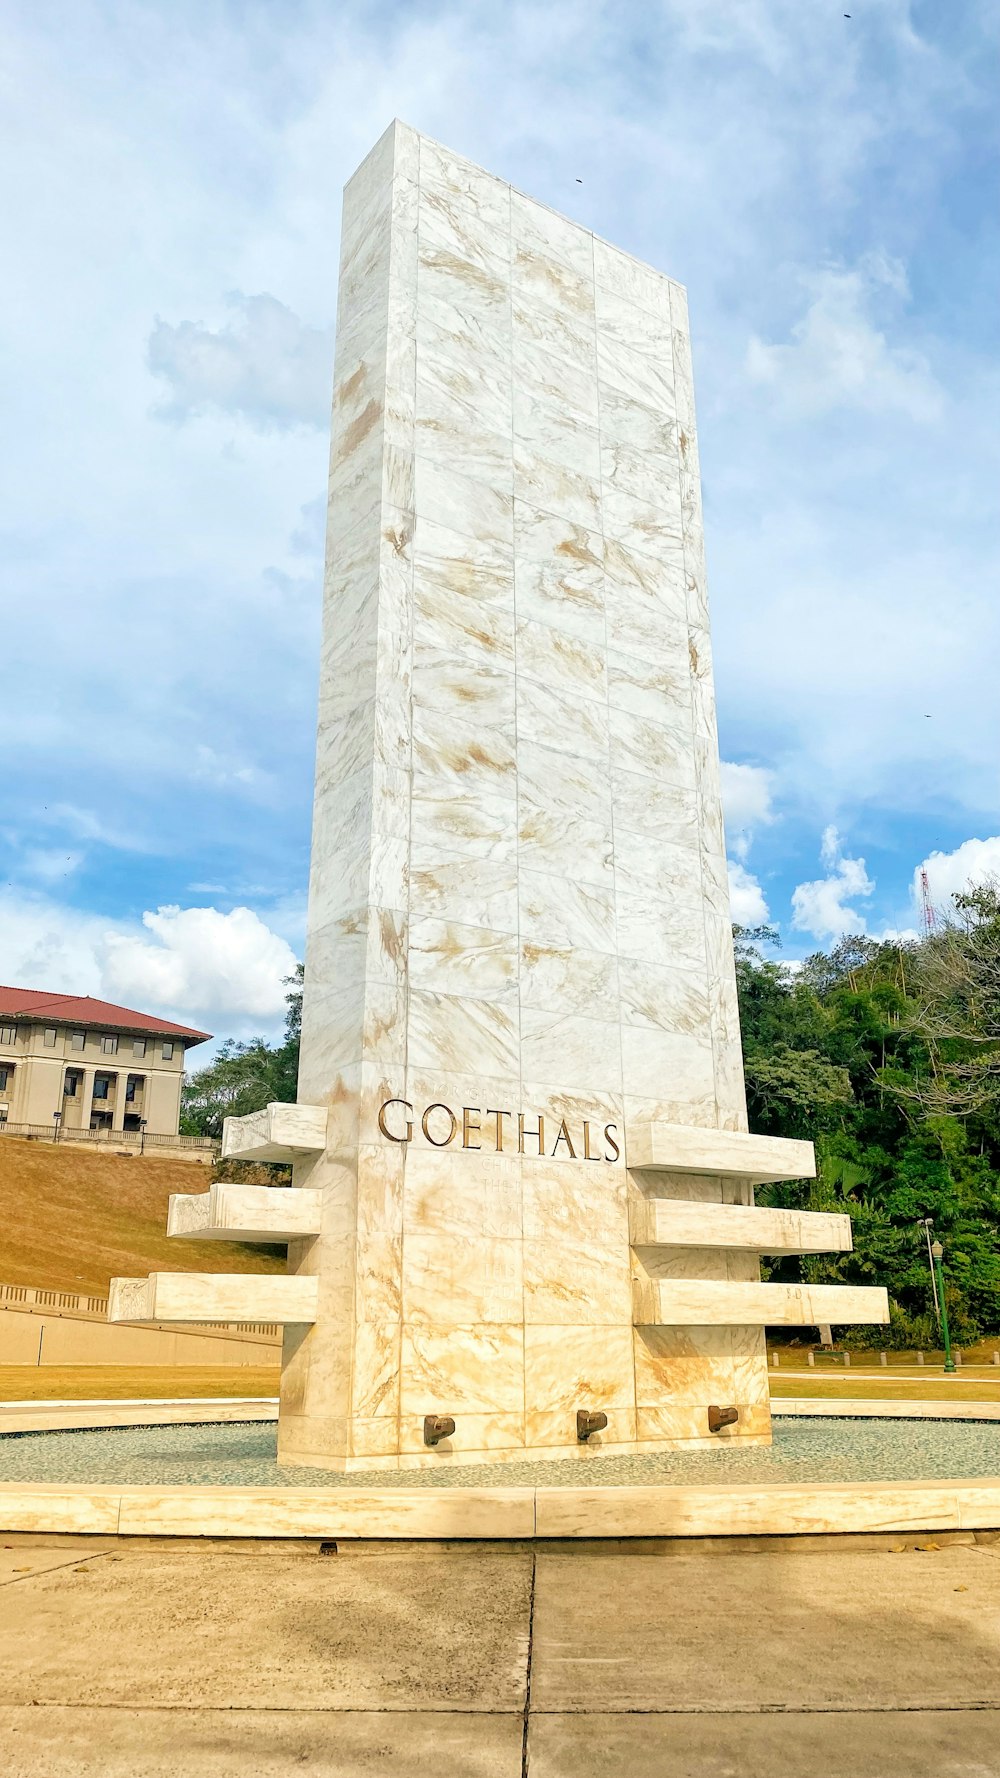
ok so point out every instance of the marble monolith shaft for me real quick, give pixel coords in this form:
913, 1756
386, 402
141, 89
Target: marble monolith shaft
518, 899
522, 1219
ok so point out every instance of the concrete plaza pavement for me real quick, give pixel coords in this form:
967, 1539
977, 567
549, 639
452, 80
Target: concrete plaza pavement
847, 1658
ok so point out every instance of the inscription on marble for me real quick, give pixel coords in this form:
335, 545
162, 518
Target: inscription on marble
511, 1132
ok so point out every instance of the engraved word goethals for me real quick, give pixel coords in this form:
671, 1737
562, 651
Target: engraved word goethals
441, 1125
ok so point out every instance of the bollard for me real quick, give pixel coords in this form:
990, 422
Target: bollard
958, 1356
774, 1359
882, 1358
920, 1358
847, 1361
996, 1358
811, 1356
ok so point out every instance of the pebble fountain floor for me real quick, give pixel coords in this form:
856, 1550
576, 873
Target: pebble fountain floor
243, 1455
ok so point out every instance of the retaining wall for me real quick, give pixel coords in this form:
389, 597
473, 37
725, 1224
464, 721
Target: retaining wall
50, 1327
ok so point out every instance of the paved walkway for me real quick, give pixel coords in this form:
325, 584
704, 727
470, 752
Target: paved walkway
840, 1659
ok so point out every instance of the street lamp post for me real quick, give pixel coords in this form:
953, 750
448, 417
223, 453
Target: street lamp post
56, 1121
927, 1224
937, 1254
142, 1135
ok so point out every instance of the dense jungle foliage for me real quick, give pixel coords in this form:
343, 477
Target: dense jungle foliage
885, 1055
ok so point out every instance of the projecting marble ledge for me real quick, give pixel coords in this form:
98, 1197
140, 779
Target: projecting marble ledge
213, 1296
692, 1302
278, 1133
228, 1212
685, 1148
681, 1222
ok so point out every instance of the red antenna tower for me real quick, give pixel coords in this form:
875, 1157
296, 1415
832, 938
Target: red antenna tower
927, 914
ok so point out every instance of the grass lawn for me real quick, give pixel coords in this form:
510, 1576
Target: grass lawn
71, 1219
876, 1386
119, 1381
116, 1382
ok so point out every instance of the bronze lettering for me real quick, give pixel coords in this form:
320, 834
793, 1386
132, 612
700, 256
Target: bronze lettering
564, 1136
522, 1132
472, 1128
454, 1125
499, 1131
409, 1122
586, 1143
468, 1129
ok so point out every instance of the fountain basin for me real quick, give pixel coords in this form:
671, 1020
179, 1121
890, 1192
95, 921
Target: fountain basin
824, 1473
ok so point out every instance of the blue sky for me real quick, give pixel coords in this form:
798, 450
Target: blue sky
825, 187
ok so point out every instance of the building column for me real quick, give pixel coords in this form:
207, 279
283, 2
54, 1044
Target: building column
87, 1097
118, 1115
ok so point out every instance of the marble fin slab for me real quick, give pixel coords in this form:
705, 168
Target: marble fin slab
245, 1213
278, 1133
682, 1148
673, 1222
213, 1296
659, 1302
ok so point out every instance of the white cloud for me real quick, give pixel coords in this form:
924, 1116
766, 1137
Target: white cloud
746, 801
266, 367
948, 873
201, 959
839, 357
223, 971
822, 907
829, 846
44, 945
746, 897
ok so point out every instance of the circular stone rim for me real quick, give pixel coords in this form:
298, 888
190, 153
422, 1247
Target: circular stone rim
667, 1510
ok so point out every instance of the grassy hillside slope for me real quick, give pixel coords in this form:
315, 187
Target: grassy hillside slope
71, 1219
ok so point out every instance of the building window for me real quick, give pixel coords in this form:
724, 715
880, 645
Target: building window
167, 1051
8, 1033
77, 1039
5, 1074
138, 1046
109, 1046
49, 1037
71, 1083
101, 1084
133, 1087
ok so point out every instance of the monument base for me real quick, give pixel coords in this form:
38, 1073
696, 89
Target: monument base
298, 1446
522, 1454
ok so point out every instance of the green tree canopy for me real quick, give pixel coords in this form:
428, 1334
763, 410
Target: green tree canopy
245, 1077
887, 1056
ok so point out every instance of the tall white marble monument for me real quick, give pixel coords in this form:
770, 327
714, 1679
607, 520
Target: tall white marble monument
522, 1216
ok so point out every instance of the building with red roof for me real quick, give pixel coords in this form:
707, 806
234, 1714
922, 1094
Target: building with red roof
75, 1064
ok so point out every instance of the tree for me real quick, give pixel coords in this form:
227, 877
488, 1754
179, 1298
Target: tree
245, 1077
293, 1001
796, 1092
958, 1005
887, 1056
